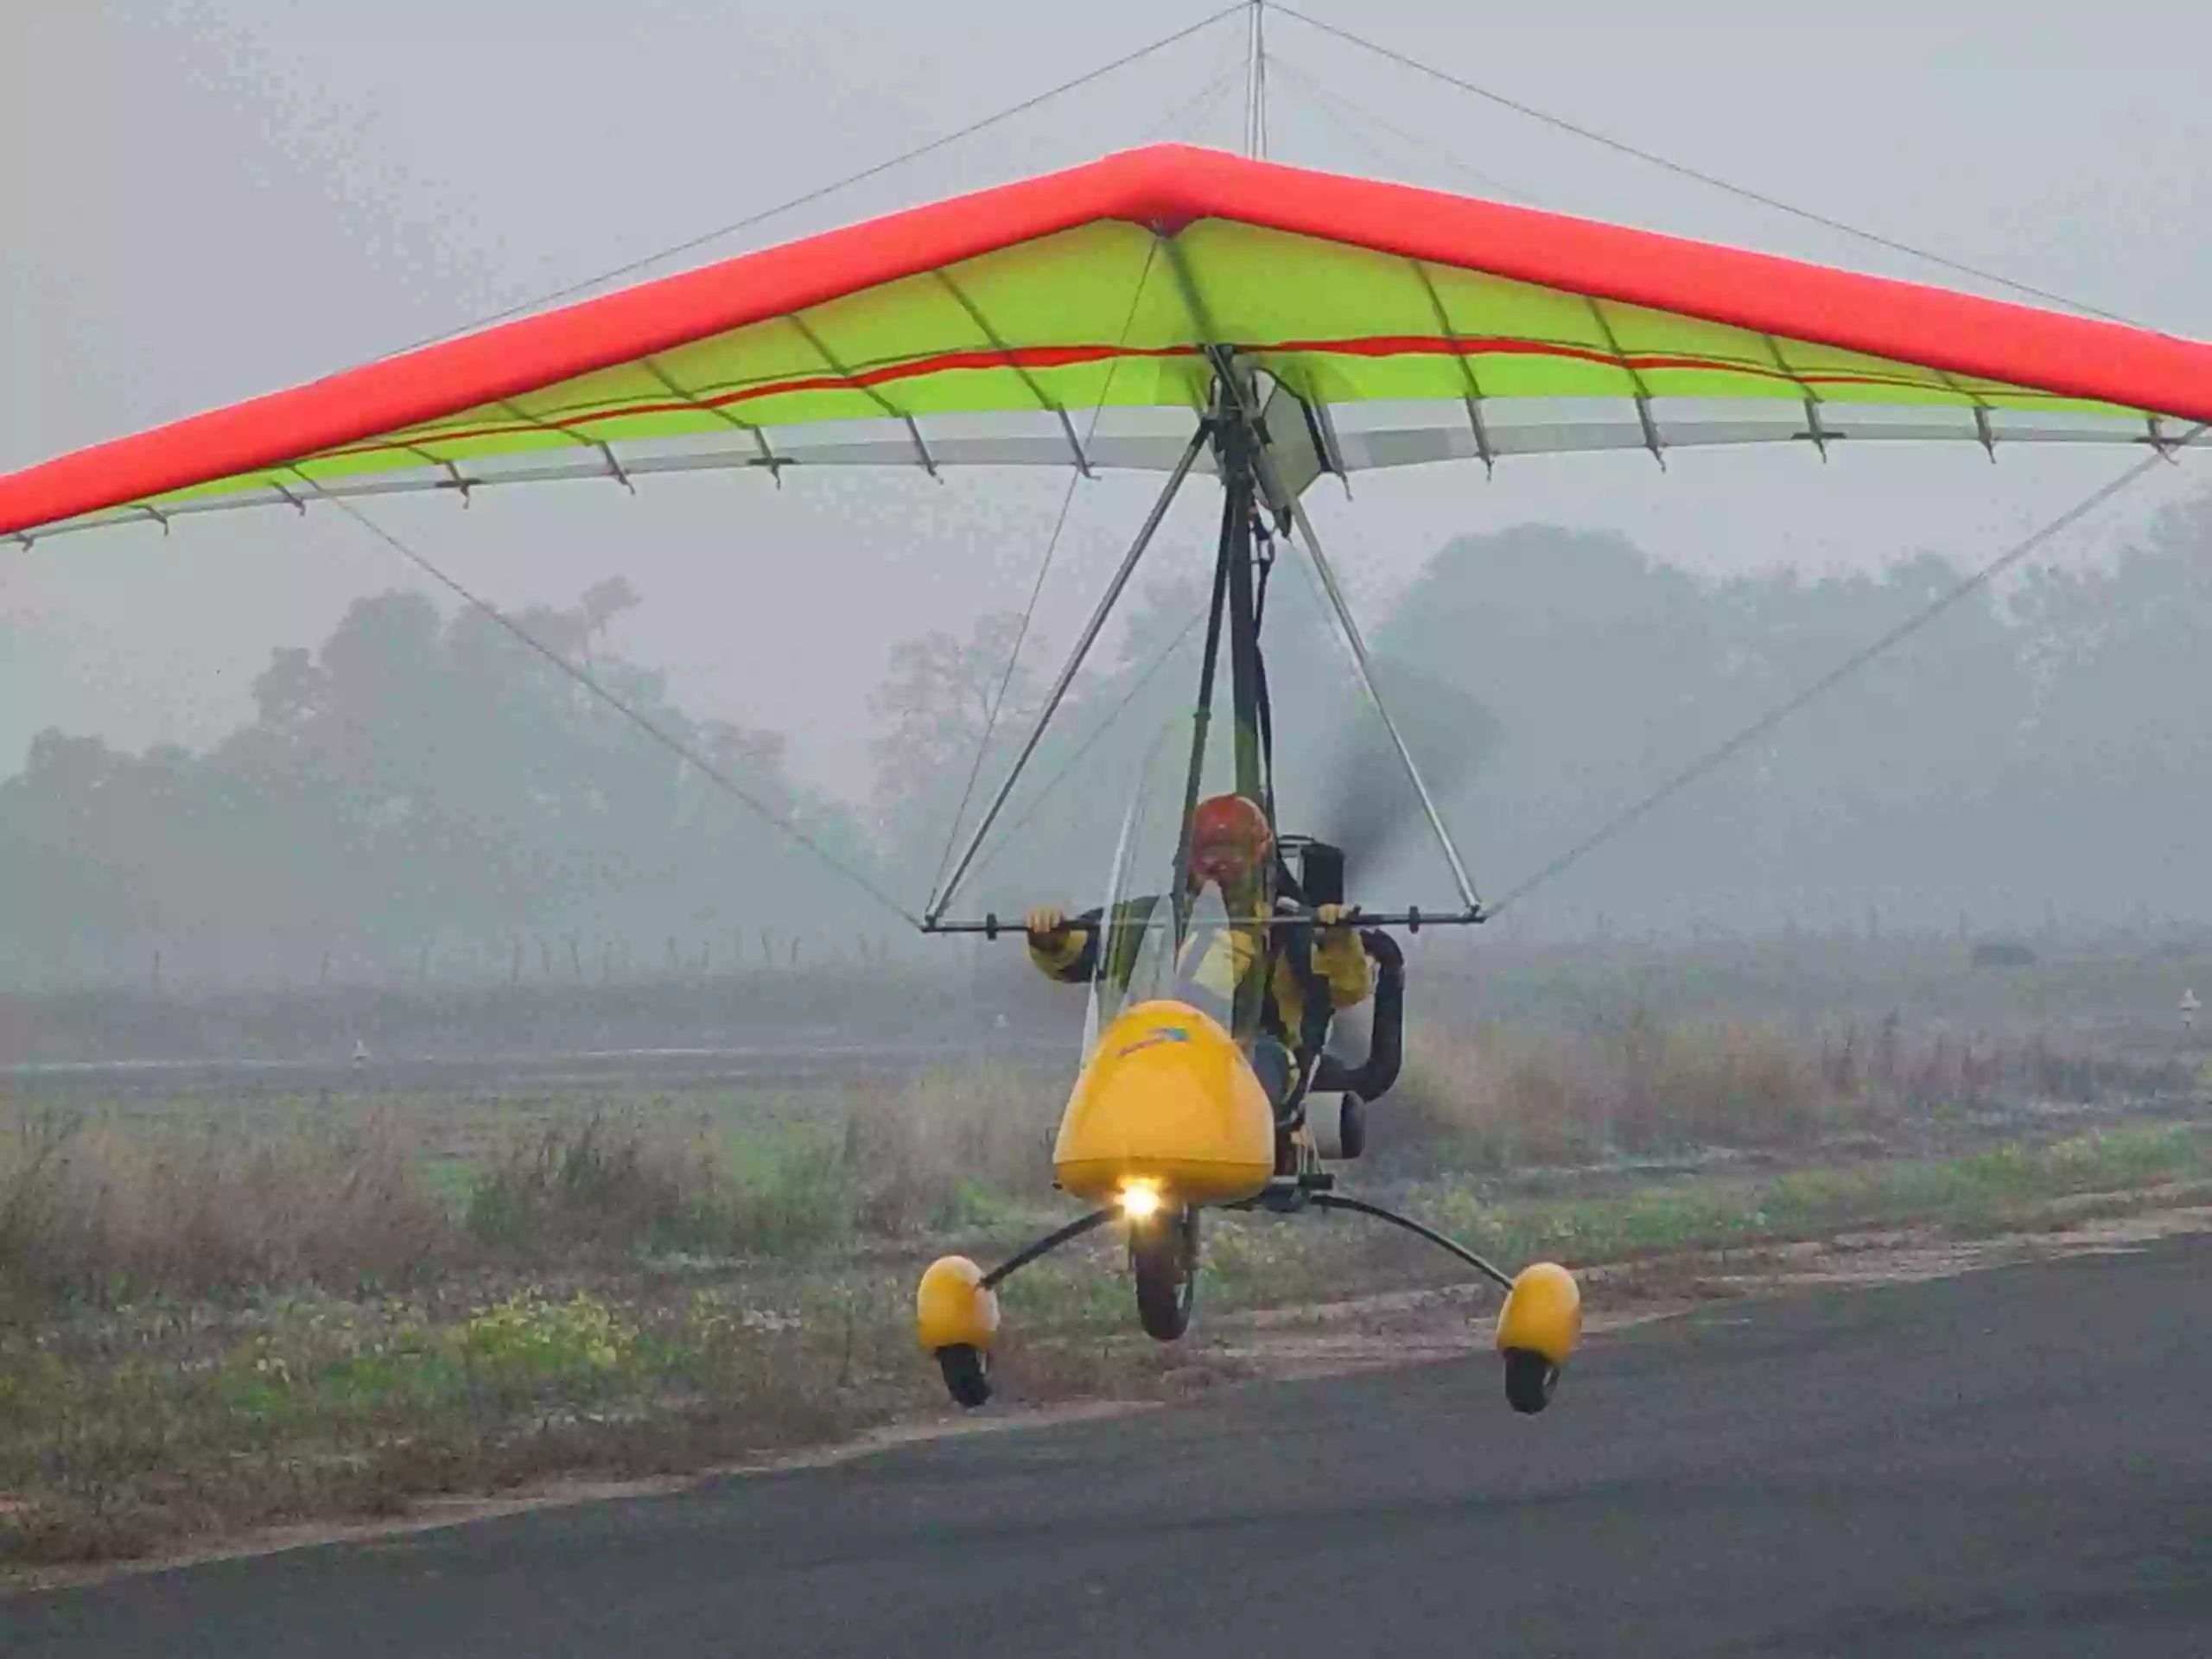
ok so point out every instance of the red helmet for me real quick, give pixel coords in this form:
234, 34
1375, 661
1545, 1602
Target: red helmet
1230, 835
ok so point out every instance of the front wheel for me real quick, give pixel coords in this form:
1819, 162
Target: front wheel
1529, 1380
1164, 1257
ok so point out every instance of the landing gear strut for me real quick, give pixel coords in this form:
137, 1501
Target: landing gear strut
956, 1310
1537, 1328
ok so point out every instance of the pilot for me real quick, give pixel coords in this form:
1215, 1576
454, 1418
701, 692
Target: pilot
1308, 975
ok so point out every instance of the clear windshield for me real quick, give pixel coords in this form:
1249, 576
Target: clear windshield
1144, 955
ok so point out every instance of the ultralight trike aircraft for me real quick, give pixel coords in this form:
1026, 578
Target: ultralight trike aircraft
1264, 325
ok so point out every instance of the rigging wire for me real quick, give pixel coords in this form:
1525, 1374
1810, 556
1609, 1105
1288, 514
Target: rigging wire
1338, 107
1198, 109
629, 711
1698, 176
1715, 756
1195, 109
1198, 104
998, 697
1007, 837
1202, 100
808, 198
1021, 633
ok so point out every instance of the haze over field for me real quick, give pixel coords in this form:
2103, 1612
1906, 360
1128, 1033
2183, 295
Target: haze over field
345, 766
466, 1054
419, 782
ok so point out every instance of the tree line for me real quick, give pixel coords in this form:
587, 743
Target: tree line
423, 781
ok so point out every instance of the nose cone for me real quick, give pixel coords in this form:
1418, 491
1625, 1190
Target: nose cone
1169, 1099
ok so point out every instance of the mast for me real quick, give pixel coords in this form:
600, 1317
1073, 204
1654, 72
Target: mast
1256, 84
1245, 688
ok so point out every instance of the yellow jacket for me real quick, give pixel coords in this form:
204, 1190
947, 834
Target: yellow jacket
1337, 961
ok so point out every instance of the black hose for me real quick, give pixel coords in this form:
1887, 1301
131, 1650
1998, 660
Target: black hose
1377, 1074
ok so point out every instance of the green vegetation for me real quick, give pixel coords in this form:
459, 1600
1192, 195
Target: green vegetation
1993, 1191
101, 1209
206, 1329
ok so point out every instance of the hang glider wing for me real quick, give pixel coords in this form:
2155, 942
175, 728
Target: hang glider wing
1416, 325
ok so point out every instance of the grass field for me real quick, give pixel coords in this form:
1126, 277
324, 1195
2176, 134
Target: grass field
219, 1310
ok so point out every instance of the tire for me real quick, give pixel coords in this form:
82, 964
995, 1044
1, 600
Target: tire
1164, 1257
967, 1375
1529, 1380
1351, 1126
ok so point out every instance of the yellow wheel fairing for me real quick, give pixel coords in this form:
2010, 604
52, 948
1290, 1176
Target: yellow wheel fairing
1169, 1099
1542, 1312
952, 1309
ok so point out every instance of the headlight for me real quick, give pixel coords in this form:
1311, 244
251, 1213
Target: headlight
1139, 1199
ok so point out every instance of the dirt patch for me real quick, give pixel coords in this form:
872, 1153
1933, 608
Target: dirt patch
1362, 1334
1409, 1326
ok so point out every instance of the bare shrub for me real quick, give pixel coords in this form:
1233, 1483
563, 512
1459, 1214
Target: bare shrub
1501, 1097
928, 1153
1732, 1084
30, 1147
1505, 1097
87, 1210
602, 1185
939, 1153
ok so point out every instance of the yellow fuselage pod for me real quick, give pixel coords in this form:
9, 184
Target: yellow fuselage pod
1168, 1100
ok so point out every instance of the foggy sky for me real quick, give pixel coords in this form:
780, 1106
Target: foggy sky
208, 199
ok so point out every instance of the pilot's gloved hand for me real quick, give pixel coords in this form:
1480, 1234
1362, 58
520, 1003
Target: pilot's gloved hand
1045, 924
1336, 915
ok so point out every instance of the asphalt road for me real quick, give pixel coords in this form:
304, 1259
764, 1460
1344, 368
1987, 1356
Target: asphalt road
2014, 1462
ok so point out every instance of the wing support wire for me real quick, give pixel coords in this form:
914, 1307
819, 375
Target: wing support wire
1712, 181
933, 913
1310, 543
1051, 546
1722, 752
1068, 767
807, 197
1302, 524
675, 745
